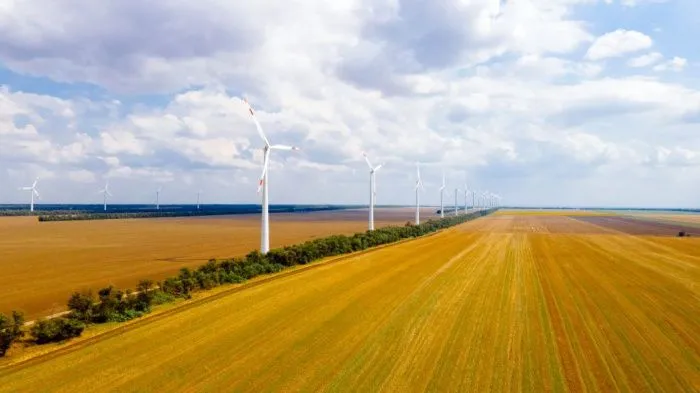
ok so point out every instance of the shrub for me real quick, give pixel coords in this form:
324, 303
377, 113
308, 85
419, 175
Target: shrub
56, 329
81, 305
10, 330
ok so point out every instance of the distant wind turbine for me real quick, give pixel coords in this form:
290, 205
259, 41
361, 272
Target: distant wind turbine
198, 194
456, 191
442, 194
33, 193
372, 189
466, 192
158, 197
105, 193
263, 184
419, 187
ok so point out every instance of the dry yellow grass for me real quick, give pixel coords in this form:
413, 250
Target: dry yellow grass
43, 263
476, 308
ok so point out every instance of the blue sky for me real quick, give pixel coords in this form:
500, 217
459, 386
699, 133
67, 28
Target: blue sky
546, 102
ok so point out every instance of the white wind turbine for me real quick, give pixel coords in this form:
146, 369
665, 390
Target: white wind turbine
158, 197
456, 191
466, 192
442, 194
198, 195
33, 193
372, 189
105, 193
263, 185
419, 187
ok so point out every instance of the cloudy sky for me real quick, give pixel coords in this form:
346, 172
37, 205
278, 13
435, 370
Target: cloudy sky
547, 102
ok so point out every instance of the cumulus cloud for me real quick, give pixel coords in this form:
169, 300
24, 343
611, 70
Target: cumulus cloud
618, 43
645, 60
494, 93
676, 64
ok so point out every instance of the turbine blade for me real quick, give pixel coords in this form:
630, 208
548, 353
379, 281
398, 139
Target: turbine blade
369, 164
378, 167
266, 162
283, 147
257, 123
25, 188
35, 181
36, 193
109, 193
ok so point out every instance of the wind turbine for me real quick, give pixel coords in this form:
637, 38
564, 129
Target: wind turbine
466, 192
158, 197
32, 193
419, 187
442, 194
263, 185
456, 191
105, 193
198, 194
372, 189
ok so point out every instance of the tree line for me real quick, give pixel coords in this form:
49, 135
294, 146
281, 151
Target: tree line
114, 305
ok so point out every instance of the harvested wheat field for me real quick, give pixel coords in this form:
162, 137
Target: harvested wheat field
44, 262
555, 305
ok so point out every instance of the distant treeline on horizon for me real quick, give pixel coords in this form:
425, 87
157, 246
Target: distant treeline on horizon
53, 212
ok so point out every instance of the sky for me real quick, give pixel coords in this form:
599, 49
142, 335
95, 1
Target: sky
545, 102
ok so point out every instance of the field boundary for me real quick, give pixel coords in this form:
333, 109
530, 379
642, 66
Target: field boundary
72, 346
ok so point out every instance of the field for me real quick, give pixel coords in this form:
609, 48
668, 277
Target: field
43, 263
505, 303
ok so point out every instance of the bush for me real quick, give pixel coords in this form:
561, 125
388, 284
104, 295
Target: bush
81, 306
56, 329
10, 330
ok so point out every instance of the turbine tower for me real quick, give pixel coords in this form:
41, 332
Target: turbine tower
263, 184
466, 192
158, 197
442, 194
198, 194
372, 189
419, 187
105, 193
456, 191
33, 192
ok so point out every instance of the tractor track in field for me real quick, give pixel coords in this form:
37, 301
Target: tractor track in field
72, 347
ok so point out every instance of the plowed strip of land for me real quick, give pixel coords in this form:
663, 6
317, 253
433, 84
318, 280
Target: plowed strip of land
466, 310
43, 263
634, 226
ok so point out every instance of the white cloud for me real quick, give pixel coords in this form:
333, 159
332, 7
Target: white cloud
645, 60
634, 3
81, 176
618, 43
440, 82
677, 64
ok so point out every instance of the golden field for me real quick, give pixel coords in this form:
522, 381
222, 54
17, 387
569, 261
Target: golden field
503, 303
42, 263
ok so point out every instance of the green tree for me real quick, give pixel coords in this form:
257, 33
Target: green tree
10, 330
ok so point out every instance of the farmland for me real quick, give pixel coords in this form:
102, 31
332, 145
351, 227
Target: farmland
42, 263
505, 303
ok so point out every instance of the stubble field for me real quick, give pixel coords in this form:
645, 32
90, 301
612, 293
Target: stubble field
43, 263
505, 303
